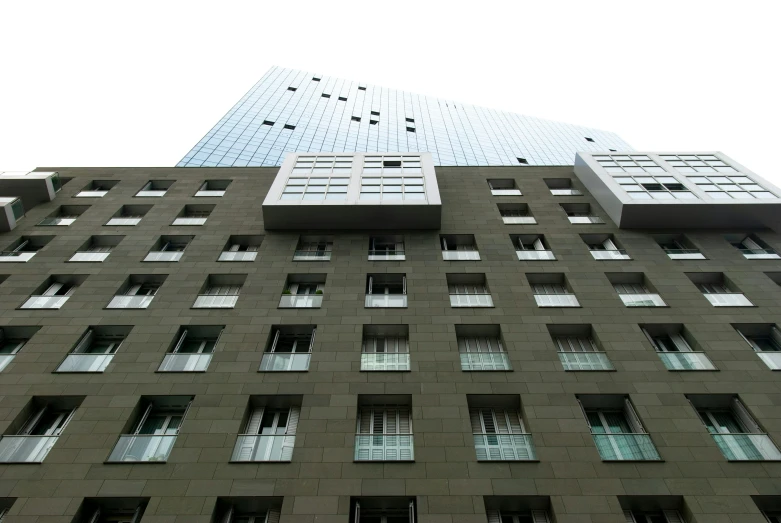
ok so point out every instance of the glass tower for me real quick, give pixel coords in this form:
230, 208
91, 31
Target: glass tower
296, 111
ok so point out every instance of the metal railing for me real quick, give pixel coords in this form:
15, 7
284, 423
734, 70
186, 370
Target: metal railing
642, 300
142, 447
215, 301
5, 359
189, 221
16, 256
87, 256
473, 255
504, 447
387, 255
124, 221
684, 254
163, 256
471, 300
611, 254
535, 255
237, 256
585, 219
25, 449
384, 447
747, 447
760, 254
585, 361
626, 447
374, 361
732, 299
285, 361
311, 255
262, 447
130, 302
58, 220
85, 363
686, 361
556, 300
519, 220
771, 359
386, 300
484, 361
45, 302
185, 363
301, 301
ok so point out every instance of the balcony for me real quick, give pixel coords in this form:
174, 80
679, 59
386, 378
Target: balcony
15, 256
387, 301
25, 449
732, 299
471, 300
45, 302
127, 221
585, 361
304, 255
535, 255
387, 255
163, 256
189, 221
686, 361
504, 447
617, 254
473, 255
237, 256
519, 220
771, 359
5, 359
384, 447
285, 362
58, 220
256, 447
87, 256
130, 302
642, 300
385, 362
760, 254
215, 301
300, 301
747, 447
626, 447
484, 361
149, 448
585, 219
185, 363
684, 254
556, 300
85, 363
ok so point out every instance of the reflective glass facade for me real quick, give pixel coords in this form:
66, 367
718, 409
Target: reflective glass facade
296, 111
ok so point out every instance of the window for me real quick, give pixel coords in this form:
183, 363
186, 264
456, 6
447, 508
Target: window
361, 88
383, 510
386, 248
12, 339
561, 187
373, 122
410, 120
731, 187
375, 113
192, 349
155, 188
96, 249
303, 291
129, 215
213, 188
753, 248
289, 127
137, 292
311, 248
480, 348
112, 510
718, 290
64, 215
522, 161
628, 163
356, 118
385, 348
193, 215
153, 434
604, 247
96, 189
589, 139
292, 89
504, 187
23, 249
269, 433
654, 188
551, 290
54, 292
678, 247
498, 430
319, 177
657, 516
95, 349
33, 434
516, 214
342, 99
765, 340
392, 177
289, 348
268, 122
411, 129
384, 430
248, 510
168, 249
580, 213
697, 163
315, 79
468, 290
324, 95
459, 247
635, 290
674, 350
616, 428
578, 349
386, 290
220, 291
241, 248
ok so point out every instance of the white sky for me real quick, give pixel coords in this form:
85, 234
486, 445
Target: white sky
139, 83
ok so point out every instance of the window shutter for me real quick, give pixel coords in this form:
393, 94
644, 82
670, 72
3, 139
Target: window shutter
444, 244
33, 421
95, 516
143, 418
253, 422
312, 339
680, 342
609, 245
632, 417
516, 422
502, 426
745, 418
276, 340
749, 243
405, 422
273, 516
672, 516
775, 335
493, 516
365, 421
474, 418
85, 342
53, 289
629, 517
179, 342
540, 516
136, 515
65, 422
538, 246
292, 421
289, 441
249, 444
411, 512
357, 512
132, 290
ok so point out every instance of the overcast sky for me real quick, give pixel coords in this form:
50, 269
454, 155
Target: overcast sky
139, 83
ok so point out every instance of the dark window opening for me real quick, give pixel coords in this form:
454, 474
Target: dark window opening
288, 126
374, 122
652, 186
410, 120
675, 186
268, 122
291, 89
589, 139
356, 118
375, 113
342, 99
612, 150
523, 161
392, 163
325, 95
315, 79
411, 129
361, 88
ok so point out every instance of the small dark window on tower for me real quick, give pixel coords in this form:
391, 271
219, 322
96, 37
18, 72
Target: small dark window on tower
589, 139
268, 122
612, 150
342, 99
356, 118
410, 120
315, 79
375, 113
326, 95
411, 129
291, 89
361, 88
391, 163
523, 161
288, 126
374, 122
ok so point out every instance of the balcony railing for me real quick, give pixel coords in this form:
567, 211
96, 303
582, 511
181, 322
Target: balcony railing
285, 362
85, 363
45, 302
25, 449
91, 194
300, 301
385, 361
152, 193
189, 221
506, 192
461, 255
471, 300
747, 447
642, 300
626, 447
142, 447
216, 193
760, 254
585, 361
124, 221
484, 361
684, 254
163, 256
556, 300
58, 220
5, 359
535, 255
384, 447
733, 299
185, 363
504, 447
87, 256
15, 256
215, 301
237, 256
686, 361
566, 192
386, 300
585, 219
257, 447
130, 302
612, 254
387, 255
519, 220
311, 255
771, 359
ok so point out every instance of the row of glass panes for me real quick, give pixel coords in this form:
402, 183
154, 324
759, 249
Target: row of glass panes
701, 163
316, 188
654, 187
322, 165
635, 163
724, 187
690, 163
391, 164
408, 188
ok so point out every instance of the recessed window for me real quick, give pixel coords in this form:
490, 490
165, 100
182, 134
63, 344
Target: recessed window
718, 289
411, 129
137, 292
155, 188
191, 349
676, 347
561, 187
36, 429
375, 113
504, 187
291, 89
268, 434
23, 249
289, 348
193, 215
64, 215
168, 249
96, 189
386, 290
618, 433
96, 249
589, 139
373, 122
268, 122
342, 99
220, 291
315, 79
522, 161
356, 118
552, 290
153, 432
411, 120
499, 431
630, 163
578, 348
54, 292
654, 188
384, 429
385, 348
468, 290
95, 349
325, 95
361, 88
288, 126
635, 290
728, 187
480, 348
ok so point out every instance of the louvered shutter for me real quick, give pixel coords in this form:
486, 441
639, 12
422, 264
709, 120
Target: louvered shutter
289, 440
85, 342
53, 289
357, 512
273, 516
179, 342
478, 434
249, 442
33, 421
540, 516
493, 516
609, 245
411, 512
745, 418
629, 517
312, 339
405, 439
680, 342
136, 515
65, 422
632, 418
228, 516
672, 516
775, 335
95, 516
749, 243
538, 245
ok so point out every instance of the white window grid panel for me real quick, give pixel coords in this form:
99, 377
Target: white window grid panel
316, 187
325, 164
407, 187
380, 165
631, 163
697, 163
733, 186
654, 187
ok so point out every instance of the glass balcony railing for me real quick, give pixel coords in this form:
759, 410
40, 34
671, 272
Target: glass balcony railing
15, 256
45, 302
285, 362
686, 361
642, 300
58, 220
384, 447
163, 256
626, 447
92, 194
519, 220
506, 192
566, 192
387, 255
556, 300
733, 299
386, 300
771, 359
207, 193
614, 254
684, 254
215, 301
130, 302
85, 363
305, 255
263, 447
237, 256
185, 363
301, 301
585, 219
86, 256
25, 449
585, 361
747, 447
484, 361
504, 447
124, 221
385, 361
760, 254
5, 359
185, 220
461, 255
471, 300
535, 255
142, 448
151, 193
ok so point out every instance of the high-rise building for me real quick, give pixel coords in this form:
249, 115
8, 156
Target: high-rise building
374, 337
